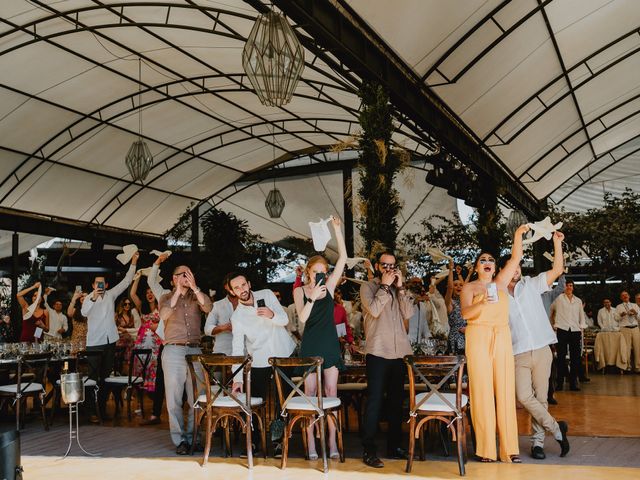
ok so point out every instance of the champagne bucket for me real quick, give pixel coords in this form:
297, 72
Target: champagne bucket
72, 387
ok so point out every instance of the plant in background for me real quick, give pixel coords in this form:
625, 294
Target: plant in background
379, 164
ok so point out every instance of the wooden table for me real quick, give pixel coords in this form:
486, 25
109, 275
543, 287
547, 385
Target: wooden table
611, 349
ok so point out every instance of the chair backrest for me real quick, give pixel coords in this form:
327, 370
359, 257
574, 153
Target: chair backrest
311, 365
118, 360
435, 372
92, 359
142, 356
218, 362
37, 362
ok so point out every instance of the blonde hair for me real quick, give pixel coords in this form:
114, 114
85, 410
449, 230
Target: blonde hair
312, 261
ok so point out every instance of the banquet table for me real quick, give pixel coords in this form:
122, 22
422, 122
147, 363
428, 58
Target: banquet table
611, 349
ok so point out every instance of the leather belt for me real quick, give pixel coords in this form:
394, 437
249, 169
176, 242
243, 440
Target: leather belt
184, 344
632, 326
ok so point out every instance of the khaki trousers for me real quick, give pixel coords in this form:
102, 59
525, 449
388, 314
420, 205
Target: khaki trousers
632, 337
532, 370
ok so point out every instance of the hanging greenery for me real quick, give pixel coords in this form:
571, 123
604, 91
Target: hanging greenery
379, 201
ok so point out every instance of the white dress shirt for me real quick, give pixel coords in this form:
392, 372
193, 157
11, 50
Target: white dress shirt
56, 320
607, 320
528, 321
220, 314
569, 314
418, 324
101, 322
263, 337
627, 320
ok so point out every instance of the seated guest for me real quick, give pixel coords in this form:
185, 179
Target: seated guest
607, 317
627, 314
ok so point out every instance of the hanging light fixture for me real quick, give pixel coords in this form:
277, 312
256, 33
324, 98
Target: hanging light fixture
273, 59
275, 201
139, 159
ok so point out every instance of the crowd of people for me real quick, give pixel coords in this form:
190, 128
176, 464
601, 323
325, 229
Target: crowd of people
506, 324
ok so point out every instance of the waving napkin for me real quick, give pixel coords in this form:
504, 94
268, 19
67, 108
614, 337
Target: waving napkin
320, 234
157, 253
127, 253
352, 262
542, 229
437, 255
442, 273
32, 308
146, 271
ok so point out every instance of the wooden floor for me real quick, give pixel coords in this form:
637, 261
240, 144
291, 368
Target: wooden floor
604, 433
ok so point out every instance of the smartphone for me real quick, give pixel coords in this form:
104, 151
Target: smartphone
101, 285
320, 278
78, 288
260, 303
492, 293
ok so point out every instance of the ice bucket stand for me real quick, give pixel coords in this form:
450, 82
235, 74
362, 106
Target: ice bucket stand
72, 389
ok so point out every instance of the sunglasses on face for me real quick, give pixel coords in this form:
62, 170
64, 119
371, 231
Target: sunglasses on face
487, 261
127, 304
388, 265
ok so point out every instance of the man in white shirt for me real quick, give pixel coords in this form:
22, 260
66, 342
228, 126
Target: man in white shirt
418, 323
218, 322
607, 317
58, 322
567, 317
102, 332
531, 337
259, 324
627, 314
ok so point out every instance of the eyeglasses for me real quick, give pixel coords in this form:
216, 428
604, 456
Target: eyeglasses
388, 265
485, 261
127, 304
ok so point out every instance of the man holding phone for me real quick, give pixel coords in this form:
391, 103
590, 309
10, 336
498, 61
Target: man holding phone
102, 332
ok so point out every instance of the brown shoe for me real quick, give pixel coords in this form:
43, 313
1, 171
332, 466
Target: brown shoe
150, 421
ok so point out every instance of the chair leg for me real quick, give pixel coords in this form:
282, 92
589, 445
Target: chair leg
128, 395
323, 443
305, 441
227, 438
247, 427
18, 402
460, 439
207, 443
339, 427
44, 414
412, 443
197, 419
285, 445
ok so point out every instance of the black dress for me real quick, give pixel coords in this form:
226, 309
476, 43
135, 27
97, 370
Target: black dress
320, 338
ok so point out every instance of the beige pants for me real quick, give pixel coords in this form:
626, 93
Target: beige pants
532, 385
632, 337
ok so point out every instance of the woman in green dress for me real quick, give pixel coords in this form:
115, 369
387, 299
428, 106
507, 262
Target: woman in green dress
314, 305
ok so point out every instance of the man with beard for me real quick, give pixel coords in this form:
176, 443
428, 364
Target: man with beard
181, 311
531, 337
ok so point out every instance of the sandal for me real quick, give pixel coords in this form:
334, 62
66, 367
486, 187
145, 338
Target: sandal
485, 460
515, 459
313, 456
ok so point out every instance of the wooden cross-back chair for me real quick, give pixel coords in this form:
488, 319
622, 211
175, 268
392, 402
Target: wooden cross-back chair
436, 372
218, 404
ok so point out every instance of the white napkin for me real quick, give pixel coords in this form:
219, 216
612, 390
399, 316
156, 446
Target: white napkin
442, 273
146, 271
437, 255
157, 253
320, 234
352, 262
32, 308
542, 229
127, 253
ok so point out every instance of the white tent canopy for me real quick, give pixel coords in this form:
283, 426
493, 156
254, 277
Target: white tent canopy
550, 88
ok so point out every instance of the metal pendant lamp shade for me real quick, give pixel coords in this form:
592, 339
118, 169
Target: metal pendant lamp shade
516, 218
139, 160
273, 59
274, 203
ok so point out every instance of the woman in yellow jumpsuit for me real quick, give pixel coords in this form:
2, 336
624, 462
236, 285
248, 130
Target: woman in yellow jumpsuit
490, 356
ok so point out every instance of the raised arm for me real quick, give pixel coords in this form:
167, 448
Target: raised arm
558, 259
448, 296
126, 281
335, 277
71, 309
133, 291
506, 274
20, 295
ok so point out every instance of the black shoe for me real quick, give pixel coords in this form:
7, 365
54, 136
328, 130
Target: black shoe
552, 401
372, 461
538, 453
183, 448
574, 388
585, 379
564, 443
397, 454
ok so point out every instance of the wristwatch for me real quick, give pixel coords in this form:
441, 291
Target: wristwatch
197, 290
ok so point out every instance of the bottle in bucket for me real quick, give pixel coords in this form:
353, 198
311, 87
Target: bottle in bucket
492, 293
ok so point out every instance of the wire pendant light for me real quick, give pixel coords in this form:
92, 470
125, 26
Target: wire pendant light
139, 159
273, 59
